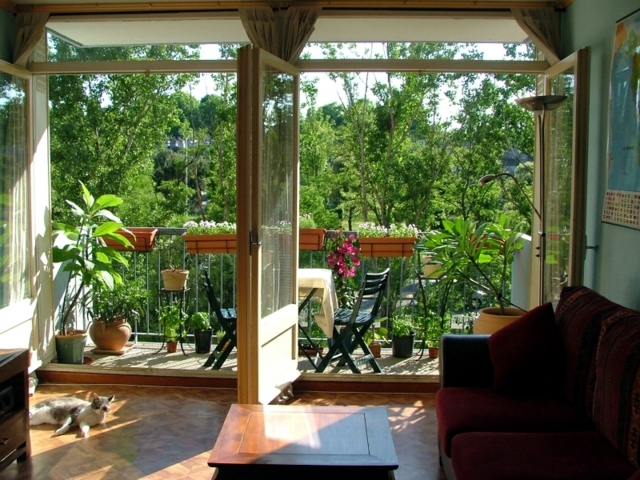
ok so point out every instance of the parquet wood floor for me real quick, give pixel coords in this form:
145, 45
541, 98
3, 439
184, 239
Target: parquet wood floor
168, 433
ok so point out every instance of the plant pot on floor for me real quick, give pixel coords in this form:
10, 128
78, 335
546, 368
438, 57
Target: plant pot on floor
70, 347
172, 347
490, 320
402, 347
433, 352
203, 340
111, 336
376, 349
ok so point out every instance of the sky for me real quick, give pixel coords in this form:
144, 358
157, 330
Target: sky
328, 91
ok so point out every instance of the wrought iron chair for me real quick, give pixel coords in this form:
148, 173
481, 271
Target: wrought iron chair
228, 319
350, 325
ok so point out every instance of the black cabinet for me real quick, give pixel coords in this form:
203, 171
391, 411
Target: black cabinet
14, 407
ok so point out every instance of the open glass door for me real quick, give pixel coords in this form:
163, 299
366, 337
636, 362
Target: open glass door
565, 172
267, 208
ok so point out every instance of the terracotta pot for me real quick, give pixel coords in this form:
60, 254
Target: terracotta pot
376, 349
490, 320
386, 246
142, 239
172, 347
175, 280
433, 352
220, 243
110, 336
312, 238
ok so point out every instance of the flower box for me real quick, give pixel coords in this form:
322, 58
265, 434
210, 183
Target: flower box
312, 238
142, 239
218, 243
386, 246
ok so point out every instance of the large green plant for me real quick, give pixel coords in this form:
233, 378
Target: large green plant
81, 248
479, 254
125, 300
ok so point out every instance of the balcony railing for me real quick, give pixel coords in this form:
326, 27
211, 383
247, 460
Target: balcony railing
404, 291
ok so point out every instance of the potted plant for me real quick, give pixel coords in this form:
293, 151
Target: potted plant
375, 338
202, 331
403, 329
480, 254
210, 237
393, 241
142, 239
172, 320
343, 258
81, 249
112, 310
311, 237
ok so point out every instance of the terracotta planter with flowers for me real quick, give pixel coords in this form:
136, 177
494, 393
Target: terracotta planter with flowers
312, 238
380, 241
210, 237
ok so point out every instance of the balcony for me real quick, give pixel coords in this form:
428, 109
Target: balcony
145, 355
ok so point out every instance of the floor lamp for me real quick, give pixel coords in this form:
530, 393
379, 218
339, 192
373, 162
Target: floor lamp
539, 105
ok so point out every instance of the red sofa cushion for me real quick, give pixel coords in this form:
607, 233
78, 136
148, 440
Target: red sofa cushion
537, 456
579, 315
460, 410
526, 354
616, 404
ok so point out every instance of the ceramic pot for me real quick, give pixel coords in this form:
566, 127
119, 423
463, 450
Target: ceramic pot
70, 348
111, 336
490, 320
175, 280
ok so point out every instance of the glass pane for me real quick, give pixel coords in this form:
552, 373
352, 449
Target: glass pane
14, 199
559, 165
277, 191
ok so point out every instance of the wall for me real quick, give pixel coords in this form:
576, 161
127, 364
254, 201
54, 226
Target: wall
7, 35
614, 268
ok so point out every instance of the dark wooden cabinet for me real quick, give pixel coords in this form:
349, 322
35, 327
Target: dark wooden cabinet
14, 407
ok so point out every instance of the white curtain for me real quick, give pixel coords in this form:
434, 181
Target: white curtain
283, 33
30, 28
542, 25
14, 192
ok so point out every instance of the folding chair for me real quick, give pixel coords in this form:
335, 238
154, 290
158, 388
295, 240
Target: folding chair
355, 324
228, 319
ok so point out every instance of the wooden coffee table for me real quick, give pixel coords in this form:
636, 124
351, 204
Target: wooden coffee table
306, 442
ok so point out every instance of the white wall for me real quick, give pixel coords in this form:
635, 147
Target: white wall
614, 268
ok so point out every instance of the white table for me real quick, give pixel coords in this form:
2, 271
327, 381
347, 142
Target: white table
322, 280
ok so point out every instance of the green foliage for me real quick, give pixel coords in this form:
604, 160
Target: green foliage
209, 228
81, 248
199, 321
125, 300
306, 221
172, 319
481, 254
403, 325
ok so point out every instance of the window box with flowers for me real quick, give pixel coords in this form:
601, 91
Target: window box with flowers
311, 238
380, 241
210, 237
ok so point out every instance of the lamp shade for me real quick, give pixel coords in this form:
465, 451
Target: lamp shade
541, 103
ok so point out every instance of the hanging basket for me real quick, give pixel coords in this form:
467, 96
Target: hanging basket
175, 279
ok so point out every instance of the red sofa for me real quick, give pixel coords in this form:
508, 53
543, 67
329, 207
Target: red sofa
554, 395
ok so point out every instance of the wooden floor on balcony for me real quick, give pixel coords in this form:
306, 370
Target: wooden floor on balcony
168, 432
149, 364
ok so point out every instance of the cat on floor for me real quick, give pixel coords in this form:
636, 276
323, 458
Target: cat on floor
71, 412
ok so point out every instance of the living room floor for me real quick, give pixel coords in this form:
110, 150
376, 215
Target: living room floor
168, 432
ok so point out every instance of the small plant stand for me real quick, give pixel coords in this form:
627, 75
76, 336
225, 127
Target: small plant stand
174, 296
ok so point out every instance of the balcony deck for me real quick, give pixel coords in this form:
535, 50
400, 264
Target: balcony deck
149, 364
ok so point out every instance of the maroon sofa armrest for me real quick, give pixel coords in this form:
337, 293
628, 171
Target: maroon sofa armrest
465, 361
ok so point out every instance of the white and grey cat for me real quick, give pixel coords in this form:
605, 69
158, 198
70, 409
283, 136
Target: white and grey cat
69, 411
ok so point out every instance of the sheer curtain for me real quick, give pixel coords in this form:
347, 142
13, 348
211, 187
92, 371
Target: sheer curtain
14, 191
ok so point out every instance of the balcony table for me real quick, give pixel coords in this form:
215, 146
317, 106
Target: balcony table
318, 282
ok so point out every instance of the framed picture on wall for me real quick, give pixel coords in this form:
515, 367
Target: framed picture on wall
622, 198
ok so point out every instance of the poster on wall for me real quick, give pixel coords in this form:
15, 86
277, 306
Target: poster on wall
622, 198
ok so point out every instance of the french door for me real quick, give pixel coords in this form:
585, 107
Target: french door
267, 225
565, 172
